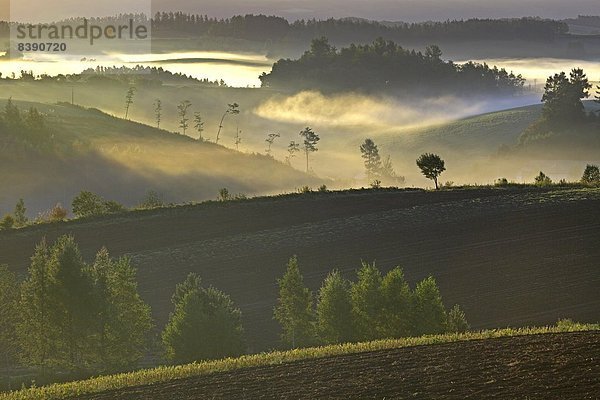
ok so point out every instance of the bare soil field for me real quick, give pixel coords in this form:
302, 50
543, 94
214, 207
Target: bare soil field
549, 366
523, 256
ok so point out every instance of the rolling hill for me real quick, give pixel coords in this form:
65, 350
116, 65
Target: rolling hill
528, 366
122, 160
508, 256
505, 363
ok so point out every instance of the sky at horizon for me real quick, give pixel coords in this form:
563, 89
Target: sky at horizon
390, 10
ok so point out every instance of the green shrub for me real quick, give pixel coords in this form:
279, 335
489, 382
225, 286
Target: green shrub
224, 194
88, 204
543, 180
500, 182
8, 222
57, 213
20, 214
151, 200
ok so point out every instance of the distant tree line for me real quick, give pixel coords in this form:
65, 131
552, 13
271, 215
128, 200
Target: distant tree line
139, 75
375, 306
384, 66
273, 28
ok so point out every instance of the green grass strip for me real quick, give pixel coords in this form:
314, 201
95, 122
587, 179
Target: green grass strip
168, 373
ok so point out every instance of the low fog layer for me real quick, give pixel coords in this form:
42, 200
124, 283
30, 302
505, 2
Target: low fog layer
477, 148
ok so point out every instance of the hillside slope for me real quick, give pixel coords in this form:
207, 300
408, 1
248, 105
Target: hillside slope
122, 160
507, 256
534, 367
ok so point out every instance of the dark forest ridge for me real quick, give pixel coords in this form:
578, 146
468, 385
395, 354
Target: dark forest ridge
384, 66
500, 253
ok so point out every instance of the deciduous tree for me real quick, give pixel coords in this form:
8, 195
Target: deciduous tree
205, 325
310, 140
431, 166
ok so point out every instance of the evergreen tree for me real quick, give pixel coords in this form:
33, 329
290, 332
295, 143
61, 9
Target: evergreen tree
182, 110
397, 305
370, 154
35, 330
457, 321
334, 310
205, 325
199, 125
9, 297
430, 314
20, 214
294, 310
367, 302
158, 112
72, 306
192, 282
129, 100
123, 319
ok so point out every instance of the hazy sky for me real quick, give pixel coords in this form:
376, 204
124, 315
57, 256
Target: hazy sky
404, 10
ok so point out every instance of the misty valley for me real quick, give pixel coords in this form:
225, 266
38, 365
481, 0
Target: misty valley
410, 208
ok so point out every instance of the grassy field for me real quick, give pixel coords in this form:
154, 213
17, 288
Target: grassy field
508, 256
122, 160
175, 380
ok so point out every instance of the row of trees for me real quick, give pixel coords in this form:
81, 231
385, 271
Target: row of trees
72, 316
386, 66
140, 75
274, 29
69, 316
183, 114
376, 306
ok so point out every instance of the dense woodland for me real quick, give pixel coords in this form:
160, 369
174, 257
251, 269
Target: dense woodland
277, 29
265, 28
385, 66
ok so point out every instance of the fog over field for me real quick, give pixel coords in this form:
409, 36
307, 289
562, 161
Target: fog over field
262, 190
